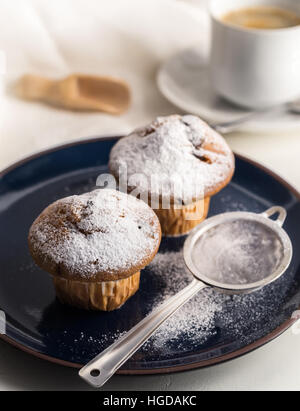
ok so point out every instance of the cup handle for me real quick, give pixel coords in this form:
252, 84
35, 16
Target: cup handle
276, 210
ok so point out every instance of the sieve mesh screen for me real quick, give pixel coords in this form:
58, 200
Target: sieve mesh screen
238, 252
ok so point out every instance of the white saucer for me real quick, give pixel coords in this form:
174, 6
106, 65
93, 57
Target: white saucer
184, 80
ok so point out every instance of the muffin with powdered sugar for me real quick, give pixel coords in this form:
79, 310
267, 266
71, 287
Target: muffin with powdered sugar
94, 246
175, 164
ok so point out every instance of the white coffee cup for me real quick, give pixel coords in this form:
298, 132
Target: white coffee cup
252, 67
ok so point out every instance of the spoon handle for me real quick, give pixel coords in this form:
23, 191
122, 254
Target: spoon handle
229, 126
103, 366
32, 87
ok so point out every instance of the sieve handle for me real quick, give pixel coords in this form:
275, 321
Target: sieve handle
276, 210
102, 367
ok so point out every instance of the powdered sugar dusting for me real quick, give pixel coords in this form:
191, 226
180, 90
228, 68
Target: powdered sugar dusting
176, 150
101, 231
204, 323
195, 320
201, 319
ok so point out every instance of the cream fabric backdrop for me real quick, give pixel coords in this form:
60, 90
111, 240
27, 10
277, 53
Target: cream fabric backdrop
126, 38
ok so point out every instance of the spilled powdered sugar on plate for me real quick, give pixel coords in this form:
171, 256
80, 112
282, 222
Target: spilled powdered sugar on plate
195, 319
200, 321
209, 312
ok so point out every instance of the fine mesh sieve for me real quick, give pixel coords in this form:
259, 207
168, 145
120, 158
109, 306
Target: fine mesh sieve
239, 251
234, 253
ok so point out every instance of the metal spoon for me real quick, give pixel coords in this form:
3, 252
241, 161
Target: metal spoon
102, 367
229, 126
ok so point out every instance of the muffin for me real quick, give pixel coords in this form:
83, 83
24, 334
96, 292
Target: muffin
175, 164
94, 246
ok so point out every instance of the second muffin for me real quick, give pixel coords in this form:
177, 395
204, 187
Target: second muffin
178, 158
94, 246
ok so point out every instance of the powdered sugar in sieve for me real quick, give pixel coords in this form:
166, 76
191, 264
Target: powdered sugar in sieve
238, 252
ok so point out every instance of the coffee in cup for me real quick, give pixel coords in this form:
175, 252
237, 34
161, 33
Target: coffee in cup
255, 52
262, 17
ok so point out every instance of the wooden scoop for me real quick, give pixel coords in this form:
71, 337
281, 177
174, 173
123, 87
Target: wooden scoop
77, 92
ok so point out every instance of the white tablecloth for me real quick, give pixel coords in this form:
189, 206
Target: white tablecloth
129, 39
122, 38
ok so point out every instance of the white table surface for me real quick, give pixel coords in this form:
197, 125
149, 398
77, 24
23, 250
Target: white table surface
273, 367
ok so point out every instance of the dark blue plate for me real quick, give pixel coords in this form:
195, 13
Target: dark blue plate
40, 325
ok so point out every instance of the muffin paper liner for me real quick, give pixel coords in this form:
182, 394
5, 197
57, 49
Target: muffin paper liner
104, 295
